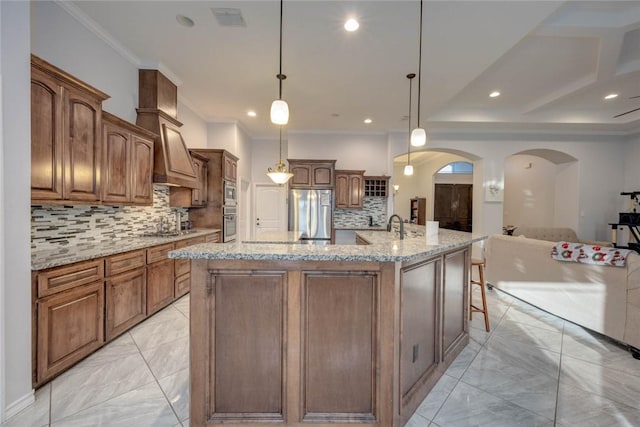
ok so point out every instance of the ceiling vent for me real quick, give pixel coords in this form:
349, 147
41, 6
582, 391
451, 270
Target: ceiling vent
228, 17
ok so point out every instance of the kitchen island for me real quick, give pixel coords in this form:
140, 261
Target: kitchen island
328, 335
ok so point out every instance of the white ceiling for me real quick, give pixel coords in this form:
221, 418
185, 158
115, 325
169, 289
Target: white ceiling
553, 61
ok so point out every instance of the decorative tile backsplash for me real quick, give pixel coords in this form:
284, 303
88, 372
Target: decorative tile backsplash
357, 218
53, 226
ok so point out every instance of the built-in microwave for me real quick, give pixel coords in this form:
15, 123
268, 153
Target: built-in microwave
229, 193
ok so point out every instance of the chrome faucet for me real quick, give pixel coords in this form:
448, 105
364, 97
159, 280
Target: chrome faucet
401, 224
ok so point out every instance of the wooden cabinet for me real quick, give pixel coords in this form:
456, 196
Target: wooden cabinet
127, 162
182, 282
68, 316
349, 189
229, 167
376, 186
312, 173
160, 278
454, 308
125, 288
418, 210
66, 136
212, 238
193, 197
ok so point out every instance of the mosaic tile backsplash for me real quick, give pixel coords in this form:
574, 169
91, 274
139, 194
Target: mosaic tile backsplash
53, 226
357, 218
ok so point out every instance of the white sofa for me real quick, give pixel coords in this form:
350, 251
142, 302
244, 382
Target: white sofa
604, 299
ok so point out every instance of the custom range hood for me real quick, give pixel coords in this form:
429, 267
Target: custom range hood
157, 112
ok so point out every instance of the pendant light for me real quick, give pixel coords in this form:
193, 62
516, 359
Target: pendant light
419, 136
279, 107
279, 174
408, 169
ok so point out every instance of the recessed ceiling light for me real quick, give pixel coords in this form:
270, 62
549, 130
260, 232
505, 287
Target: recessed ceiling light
351, 25
611, 96
251, 113
494, 94
367, 121
185, 21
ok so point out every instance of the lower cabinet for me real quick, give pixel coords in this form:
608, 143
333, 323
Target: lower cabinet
160, 284
126, 301
70, 326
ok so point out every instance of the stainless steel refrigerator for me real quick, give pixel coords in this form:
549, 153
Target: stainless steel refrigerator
311, 211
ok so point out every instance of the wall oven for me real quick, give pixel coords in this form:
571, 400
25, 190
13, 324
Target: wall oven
229, 193
229, 223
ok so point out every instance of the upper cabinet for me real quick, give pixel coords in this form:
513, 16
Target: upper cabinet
193, 197
229, 167
312, 173
66, 126
127, 162
349, 189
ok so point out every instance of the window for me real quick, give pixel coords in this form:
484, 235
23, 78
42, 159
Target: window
457, 167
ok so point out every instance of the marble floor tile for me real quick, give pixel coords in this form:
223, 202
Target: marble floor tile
603, 381
520, 333
464, 359
176, 388
470, 406
168, 357
592, 347
183, 305
524, 375
417, 421
578, 407
145, 406
479, 335
166, 326
110, 372
185, 423
437, 396
524, 313
36, 415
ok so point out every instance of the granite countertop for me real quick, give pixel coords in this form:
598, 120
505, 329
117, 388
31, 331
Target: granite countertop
385, 246
276, 237
363, 227
48, 258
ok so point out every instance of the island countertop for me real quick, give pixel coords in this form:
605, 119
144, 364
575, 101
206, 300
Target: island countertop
384, 247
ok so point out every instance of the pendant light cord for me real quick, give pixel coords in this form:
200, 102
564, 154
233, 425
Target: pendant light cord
420, 66
410, 77
280, 76
280, 150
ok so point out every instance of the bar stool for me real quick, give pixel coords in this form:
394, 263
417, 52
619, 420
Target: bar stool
472, 308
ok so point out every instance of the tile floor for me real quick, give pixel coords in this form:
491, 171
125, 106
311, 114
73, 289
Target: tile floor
533, 369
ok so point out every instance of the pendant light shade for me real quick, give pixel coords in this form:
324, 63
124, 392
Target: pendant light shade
279, 174
279, 107
408, 169
280, 112
419, 135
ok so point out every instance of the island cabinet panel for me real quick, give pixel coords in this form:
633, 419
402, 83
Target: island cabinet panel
70, 326
455, 310
419, 322
248, 323
340, 355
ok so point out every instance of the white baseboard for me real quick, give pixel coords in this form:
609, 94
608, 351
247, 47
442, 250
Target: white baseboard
17, 406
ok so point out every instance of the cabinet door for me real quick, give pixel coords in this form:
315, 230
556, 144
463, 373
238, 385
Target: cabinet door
70, 326
356, 190
199, 194
182, 285
342, 190
160, 283
455, 285
213, 238
230, 169
301, 176
141, 170
322, 176
82, 146
116, 181
46, 137
126, 301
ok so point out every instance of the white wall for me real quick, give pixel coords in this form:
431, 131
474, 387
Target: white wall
529, 191
194, 127
15, 271
366, 152
222, 136
567, 202
264, 155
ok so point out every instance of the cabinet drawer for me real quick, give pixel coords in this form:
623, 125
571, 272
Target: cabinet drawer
212, 238
182, 285
64, 278
189, 242
158, 253
124, 262
182, 266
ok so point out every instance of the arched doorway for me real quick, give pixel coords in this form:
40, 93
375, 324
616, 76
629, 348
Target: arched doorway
453, 196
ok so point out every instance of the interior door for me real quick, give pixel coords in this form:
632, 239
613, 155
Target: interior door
453, 206
270, 208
